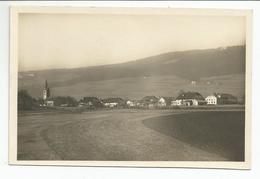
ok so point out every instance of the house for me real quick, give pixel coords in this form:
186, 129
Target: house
113, 102
165, 101
176, 102
91, 102
211, 100
49, 103
189, 99
149, 101
221, 98
130, 103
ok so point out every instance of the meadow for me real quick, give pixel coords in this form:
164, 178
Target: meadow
130, 134
138, 87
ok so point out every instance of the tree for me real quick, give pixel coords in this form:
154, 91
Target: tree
181, 92
64, 100
25, 101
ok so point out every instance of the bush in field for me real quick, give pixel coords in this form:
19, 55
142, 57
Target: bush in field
25, 101
65, 101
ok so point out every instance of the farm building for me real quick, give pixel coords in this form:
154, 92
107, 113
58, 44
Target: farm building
149, 101
189, 99
91, 102
165, 101
176, 103
113, 102
221, 98
132, 103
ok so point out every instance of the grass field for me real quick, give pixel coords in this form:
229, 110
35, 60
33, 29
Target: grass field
138, 87
125, 134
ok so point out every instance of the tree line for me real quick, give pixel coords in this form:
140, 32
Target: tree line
27, 102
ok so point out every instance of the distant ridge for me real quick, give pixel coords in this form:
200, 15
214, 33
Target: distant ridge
192, 64
187, 65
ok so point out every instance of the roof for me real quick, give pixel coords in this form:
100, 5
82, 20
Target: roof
150, 99
211, 96
134, 100
91, 99
168, 99
190, 95
113, 100
224, 96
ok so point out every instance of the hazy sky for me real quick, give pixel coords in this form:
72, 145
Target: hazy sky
49, 41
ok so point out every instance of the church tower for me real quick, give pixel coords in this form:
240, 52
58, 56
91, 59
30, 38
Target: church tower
46, 91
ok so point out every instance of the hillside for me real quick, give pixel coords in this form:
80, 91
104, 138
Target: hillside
164, 74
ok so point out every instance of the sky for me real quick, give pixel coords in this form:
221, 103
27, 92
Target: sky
50, 41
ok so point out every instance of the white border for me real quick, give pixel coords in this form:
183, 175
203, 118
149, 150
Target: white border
13, 84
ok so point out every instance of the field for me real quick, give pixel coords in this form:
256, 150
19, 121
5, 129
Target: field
139, 135
220, 70
137, 87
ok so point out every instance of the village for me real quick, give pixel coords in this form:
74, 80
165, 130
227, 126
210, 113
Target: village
189, 99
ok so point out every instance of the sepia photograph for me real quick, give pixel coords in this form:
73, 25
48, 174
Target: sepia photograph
155, 87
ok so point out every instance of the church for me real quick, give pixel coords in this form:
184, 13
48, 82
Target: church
46, 93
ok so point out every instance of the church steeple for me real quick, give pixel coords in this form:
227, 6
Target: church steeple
46, 91
46, 84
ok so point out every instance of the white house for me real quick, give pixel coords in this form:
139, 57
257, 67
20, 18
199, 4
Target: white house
195, 102
176, 103
111, 104
49, 103
189, 99
165, 101
221, 98
162, 102
130, 103
212, 99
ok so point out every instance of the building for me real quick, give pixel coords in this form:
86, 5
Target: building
46, 93
130, 103
211, 100
49, 103
133, 103
165, 101
176, 103
189, 99
92, 102
162, 102
221, 98
149, 102
113, 102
